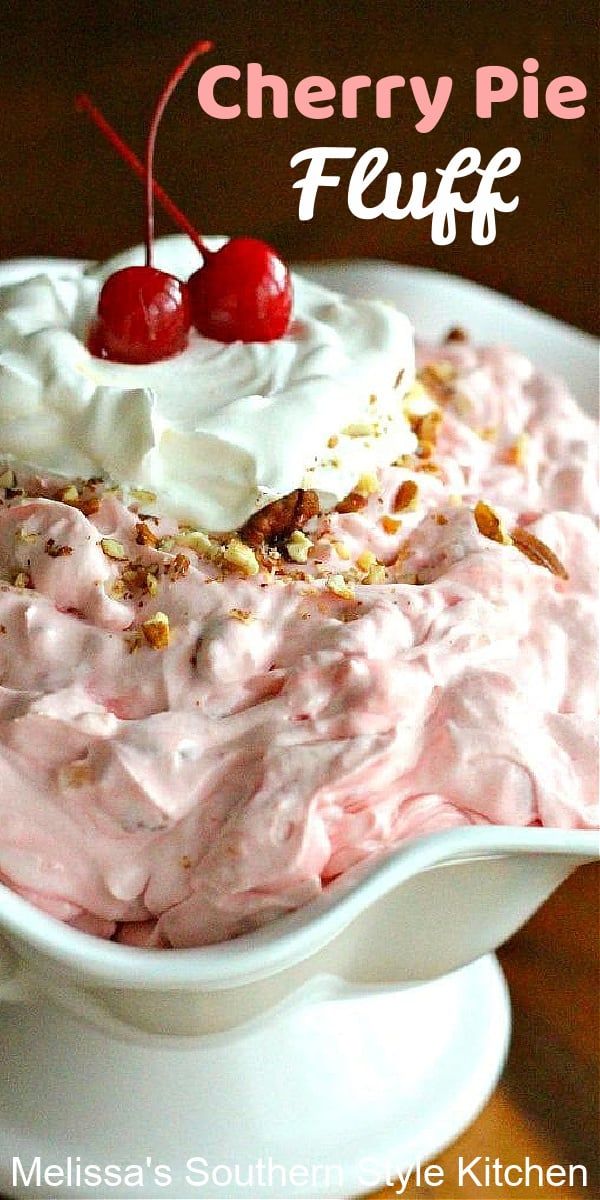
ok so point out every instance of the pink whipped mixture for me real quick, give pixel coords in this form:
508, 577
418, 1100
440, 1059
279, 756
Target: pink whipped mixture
183, 795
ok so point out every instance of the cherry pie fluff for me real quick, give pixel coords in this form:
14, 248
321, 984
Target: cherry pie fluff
268, 610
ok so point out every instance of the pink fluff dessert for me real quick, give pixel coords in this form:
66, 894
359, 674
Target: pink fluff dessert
228, 678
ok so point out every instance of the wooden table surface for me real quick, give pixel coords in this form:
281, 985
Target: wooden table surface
547, 1105
62, 192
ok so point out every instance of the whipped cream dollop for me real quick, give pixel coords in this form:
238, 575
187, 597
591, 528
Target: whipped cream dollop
218, 431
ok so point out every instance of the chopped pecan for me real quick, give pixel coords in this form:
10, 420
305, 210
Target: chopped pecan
436, 379
426, 427
538, 552
390, 525
88, 505
156, 631
489, 524
353, 502
144, 535
57, 551
457, 334
241, 614
406, 497
279, 519
178, 568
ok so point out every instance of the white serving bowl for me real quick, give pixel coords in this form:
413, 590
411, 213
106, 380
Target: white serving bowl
428, 908
335, 992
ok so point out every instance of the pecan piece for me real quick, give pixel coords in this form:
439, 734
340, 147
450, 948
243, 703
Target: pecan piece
57, 551
405, 499
144, 536
436, 378
178, 567
353, 502
88, 505
538, 552
489, 524
281, 518
457, 334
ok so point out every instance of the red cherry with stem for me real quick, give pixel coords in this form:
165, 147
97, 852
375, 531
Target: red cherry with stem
242, 293
143, 316
144, 313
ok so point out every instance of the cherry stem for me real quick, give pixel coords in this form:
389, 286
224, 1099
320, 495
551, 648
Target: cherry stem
174, 79
84, 104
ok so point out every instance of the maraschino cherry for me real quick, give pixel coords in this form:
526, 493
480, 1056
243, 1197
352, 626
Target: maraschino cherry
143, 316
242, 292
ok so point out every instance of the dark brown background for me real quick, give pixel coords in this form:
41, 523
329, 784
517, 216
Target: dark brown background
61, 190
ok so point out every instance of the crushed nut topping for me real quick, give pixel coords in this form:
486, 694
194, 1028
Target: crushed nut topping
178, 568
57, 551
143, 496
242, 557
406, 497
116, 589
70, 494
390, 524
156, 631
436, 379
489, 524
538, 552
151, 584
516, 455
278, 520
299, 546
362, 429
144, 535
340, 587
407, 461
376, 574
88, 505
113, 549
241, 614
457, 334
426, 428
366, 560
353, 502
368, 485
199, 542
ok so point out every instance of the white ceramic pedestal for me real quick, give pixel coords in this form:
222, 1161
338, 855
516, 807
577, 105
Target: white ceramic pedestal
352, 1089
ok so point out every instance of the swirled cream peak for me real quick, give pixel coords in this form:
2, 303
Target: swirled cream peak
219, 430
